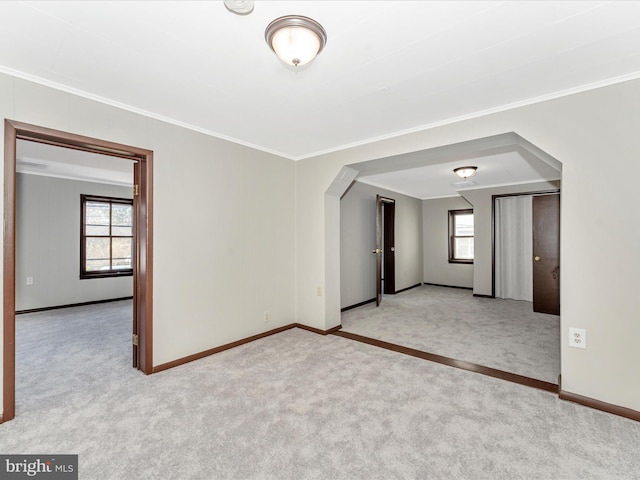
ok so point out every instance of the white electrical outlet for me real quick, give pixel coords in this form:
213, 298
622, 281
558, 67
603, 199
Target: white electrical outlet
578, 337
29, 280
266, 317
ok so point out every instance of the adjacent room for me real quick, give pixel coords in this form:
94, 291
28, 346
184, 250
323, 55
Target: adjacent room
489, 317
74, 231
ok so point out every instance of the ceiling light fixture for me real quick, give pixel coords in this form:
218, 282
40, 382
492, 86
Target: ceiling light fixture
295, 39
465, 172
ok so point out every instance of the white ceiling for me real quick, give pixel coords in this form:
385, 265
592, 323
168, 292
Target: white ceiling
51, 161
437, 181
389, 67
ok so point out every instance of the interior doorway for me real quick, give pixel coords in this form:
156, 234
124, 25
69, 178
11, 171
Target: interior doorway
389, 249
543, 169
526, 248
385, 247
142, 164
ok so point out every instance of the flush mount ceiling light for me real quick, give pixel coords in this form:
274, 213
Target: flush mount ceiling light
465, 172
295, 39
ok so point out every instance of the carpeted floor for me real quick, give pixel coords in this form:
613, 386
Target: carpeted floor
295, 405
496, 333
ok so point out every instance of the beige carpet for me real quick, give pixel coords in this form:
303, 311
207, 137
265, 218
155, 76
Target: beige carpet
292, 406
496, 333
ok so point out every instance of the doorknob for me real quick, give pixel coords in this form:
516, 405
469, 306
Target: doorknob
536, 258
393, 249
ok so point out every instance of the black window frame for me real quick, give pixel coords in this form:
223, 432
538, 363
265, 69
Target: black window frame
120, 272
453, 237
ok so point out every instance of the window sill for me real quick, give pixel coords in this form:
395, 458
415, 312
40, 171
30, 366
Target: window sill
125, 273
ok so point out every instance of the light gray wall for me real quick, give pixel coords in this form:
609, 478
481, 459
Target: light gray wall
435, 231
223, 220
358, 238
48, 243
481, 201
595, 135
213, 199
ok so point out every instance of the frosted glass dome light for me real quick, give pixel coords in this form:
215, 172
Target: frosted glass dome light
296, 40
465, 172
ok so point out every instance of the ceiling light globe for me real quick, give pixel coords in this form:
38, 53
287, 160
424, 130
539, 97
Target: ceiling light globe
296, 40
465, 172
296, 46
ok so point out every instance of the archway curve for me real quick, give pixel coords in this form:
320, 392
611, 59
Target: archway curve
452, 153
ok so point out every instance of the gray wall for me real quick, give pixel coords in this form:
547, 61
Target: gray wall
358, 238
435, 231
48, 243
481, 201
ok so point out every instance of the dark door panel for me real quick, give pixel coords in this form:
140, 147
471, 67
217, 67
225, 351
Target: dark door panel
389, 247
385, 246
546, 254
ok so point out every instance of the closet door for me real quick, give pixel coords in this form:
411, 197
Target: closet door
546, 254
513, 248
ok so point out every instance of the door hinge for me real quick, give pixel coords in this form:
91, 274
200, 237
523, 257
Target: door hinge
136, 190
134, 339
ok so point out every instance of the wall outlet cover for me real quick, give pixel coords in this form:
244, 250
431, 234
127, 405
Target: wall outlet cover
578, 338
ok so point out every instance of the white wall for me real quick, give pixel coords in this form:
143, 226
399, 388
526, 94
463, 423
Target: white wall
48, 243
435, 228
481, 201
595, 136
223, 220
358, 238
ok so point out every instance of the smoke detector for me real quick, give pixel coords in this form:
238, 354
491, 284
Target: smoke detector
241, 7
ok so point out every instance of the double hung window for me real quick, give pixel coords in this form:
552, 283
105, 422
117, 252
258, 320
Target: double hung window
106, 240
461, 236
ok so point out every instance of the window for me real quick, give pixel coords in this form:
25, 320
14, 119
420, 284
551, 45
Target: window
460, 236
106, 240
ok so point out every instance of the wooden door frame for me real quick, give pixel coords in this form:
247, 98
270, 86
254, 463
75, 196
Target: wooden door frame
378, 250
143, 271
380, 208
388, 254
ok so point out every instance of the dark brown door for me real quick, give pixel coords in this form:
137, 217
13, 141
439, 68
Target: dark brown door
389, 249
378, 250
546, 254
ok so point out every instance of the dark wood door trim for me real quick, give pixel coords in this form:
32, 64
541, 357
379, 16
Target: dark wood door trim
14, 130
382, 209
135, 350
389, 256
9, 276
378, 250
